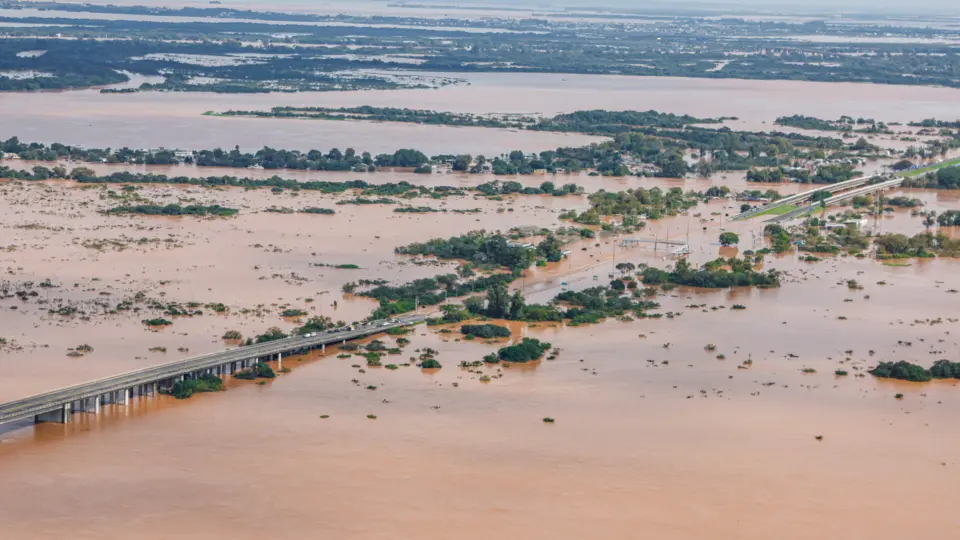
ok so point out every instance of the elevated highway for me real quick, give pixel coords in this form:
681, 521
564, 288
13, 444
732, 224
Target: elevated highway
58, 405
836, 199
805, 196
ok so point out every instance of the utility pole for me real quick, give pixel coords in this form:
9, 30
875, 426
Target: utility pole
614, 253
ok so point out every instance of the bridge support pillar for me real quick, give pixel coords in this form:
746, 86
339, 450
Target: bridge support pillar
279, 361
59, 416
323, 348
106, 399
90, 405
123, 397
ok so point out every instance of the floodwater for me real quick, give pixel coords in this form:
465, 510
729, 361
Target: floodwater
174, 120
653, 433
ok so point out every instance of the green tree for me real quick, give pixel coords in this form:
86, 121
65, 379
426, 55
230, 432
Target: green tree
498, 301
517, 303
550, 248
729, 239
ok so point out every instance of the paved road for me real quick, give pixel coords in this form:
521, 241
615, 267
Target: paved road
50, 401
804, 196
845, 196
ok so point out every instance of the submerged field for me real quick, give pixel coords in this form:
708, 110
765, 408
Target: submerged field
666, 415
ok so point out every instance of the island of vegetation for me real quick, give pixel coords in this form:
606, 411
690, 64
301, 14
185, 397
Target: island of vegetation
905, 371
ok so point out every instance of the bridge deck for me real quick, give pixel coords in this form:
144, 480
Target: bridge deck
50, 401
836, 199
829, 188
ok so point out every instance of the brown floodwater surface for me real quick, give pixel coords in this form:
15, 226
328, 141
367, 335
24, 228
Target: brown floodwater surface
174, 119
656, 433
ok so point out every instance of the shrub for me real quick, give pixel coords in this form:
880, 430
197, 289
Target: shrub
942, 369
487, 331
186, 388
525, 351
259, 370
901, 370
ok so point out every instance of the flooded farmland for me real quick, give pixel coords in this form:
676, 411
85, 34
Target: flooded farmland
636, 404
708, 418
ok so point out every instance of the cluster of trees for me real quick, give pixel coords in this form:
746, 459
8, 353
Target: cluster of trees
497, 187
41, 152
483, 248
388, 114
486, 331
902, 202
648, 137
945, 178
636, 204
259, 370
316, 210
934, 123
845, 123
405, 298
779, 238
174, 210
905, 371
766, 175
924, 244
950, 218
825, 174
597, 303
528, 350
187, 387
314, 160
593, 121
609, 122
718, 274
807, 122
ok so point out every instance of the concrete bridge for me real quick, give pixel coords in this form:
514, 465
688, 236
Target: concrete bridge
805, 196
59, 405
836, 199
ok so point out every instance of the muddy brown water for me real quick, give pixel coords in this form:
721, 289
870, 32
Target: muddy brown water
654, 434
174, 120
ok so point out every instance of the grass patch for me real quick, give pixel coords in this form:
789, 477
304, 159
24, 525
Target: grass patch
777, 210
924, 170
